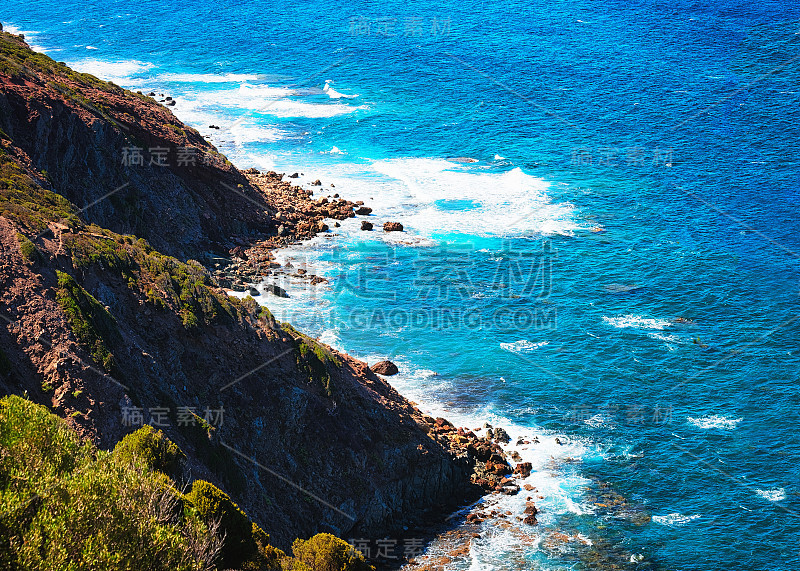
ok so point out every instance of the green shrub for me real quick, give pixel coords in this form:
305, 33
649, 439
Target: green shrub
27, 248
65, 505
94, 327
213, 504
326, 552
154, 449
164, 281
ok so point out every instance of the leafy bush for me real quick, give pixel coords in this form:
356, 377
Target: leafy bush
213, 504
154, 449
27, 248
65, 505
94, 327
326, 552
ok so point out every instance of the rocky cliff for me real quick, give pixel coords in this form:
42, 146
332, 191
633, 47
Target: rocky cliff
106, 319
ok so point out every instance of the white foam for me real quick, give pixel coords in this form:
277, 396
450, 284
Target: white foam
265, 100
523, 346
666, 338
207, 77
774, 495
437, 196
637, 322
598, 420
333, 94
674, 519
288, 108
116, 71
714, 421
11, 29
243, 133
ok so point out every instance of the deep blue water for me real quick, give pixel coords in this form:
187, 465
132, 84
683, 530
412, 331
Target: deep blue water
637, 162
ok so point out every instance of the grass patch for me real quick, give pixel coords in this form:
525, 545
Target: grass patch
94, 327
314, 358
31, 206
165, 282
18, 60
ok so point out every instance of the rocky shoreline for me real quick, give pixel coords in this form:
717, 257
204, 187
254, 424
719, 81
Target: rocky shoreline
297, 216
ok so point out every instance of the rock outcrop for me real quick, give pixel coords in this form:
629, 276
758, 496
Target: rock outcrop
386, 368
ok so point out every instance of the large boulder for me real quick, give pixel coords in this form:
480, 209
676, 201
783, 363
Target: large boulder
386, 368
364, 210
366, 225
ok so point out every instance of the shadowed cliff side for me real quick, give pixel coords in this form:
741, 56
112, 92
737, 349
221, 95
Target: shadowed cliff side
123, 158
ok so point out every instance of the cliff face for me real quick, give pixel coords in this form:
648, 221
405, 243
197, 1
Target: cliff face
100, 326
124, 158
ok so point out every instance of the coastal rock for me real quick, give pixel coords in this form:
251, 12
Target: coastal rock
392, 227
386, 368
524, 469
501, 436
363, 210
294, 175
366, 225
275, 290
316, 183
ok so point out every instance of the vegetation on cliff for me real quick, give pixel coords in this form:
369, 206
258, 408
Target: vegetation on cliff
92, 324
64, 504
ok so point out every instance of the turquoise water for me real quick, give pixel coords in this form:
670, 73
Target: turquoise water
636, 162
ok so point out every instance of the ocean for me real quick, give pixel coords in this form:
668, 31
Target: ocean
601, 240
